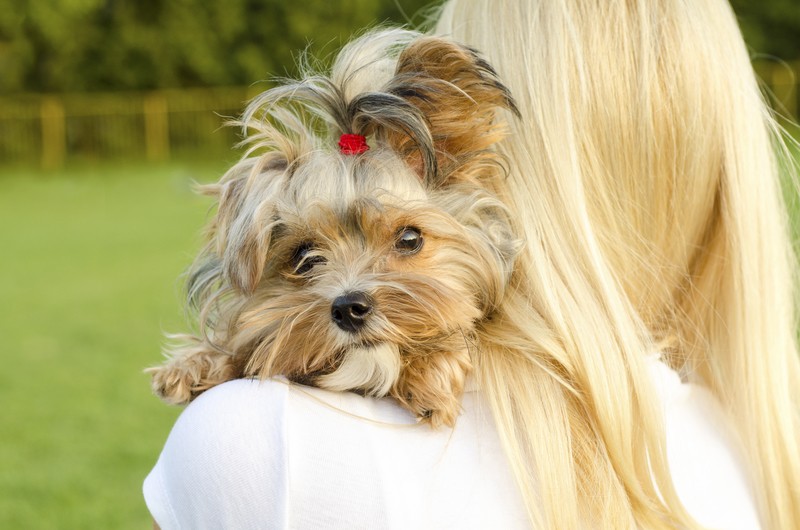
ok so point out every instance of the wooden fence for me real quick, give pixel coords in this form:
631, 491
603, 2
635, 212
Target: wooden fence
53, 130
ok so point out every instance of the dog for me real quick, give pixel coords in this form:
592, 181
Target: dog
358, 245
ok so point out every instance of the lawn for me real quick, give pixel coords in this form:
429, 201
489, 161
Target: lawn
88, 281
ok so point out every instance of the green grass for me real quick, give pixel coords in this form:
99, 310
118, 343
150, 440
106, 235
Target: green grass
89, 268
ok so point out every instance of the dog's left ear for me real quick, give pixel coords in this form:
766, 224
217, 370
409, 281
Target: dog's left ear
458, 93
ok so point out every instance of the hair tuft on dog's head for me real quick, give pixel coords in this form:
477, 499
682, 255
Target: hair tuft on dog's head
436, 108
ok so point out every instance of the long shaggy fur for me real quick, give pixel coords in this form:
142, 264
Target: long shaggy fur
299, 225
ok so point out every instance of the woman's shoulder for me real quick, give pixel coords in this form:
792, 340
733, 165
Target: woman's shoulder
275, 449
258, 400
228, 444
245, 452
246, 407
251, 419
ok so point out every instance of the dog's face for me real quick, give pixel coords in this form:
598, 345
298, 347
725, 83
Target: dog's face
357, 276
365, 271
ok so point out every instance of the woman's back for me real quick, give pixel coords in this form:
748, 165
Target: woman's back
272, 455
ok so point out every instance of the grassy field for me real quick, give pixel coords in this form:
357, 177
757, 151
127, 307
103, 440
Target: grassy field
88, 282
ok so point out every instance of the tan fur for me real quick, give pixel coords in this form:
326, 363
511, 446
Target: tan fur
430, 167
460, 110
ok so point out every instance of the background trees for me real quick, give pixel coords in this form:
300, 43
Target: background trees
88, 45
91, 45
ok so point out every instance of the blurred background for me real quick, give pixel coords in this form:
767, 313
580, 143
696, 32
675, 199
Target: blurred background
109, 110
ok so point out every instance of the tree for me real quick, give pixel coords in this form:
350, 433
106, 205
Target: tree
90, 45
85, 45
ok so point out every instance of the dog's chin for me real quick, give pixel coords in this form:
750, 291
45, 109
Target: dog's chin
372, 369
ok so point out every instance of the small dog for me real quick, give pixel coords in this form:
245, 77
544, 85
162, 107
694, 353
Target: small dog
372, 267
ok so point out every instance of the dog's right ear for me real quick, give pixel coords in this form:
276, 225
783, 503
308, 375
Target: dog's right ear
242, 229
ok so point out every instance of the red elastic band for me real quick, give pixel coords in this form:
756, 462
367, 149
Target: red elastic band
352, 144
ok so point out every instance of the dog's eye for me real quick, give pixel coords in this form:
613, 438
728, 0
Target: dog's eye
304, 258
409, 240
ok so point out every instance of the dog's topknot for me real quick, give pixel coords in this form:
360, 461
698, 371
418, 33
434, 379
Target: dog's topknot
435, 106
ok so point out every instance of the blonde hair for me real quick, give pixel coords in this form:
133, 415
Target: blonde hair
644, 180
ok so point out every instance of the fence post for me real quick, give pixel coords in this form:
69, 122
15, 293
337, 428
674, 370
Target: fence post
54, 140
156, 126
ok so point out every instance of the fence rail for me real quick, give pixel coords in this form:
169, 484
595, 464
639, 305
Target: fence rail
52, 130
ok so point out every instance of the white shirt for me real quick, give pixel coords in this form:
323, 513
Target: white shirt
269, 455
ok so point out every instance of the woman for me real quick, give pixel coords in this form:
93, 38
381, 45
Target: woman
643, 179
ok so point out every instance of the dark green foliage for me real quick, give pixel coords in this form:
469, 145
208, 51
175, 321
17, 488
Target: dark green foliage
94, 45
770, 27
91, 45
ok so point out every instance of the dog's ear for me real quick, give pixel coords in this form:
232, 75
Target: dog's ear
458, 93
243, 228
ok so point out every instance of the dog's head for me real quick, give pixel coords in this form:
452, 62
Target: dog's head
366, 270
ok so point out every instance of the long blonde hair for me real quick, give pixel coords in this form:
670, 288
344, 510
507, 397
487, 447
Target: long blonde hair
644, 180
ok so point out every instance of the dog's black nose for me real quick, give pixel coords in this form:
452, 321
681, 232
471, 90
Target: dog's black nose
350, 311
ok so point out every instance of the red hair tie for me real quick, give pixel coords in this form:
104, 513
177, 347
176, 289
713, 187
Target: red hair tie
352, 144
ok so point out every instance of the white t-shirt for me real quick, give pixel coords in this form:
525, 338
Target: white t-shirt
269, 455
